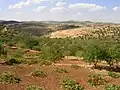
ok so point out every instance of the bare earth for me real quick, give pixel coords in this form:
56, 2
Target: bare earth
69, 33
53, 79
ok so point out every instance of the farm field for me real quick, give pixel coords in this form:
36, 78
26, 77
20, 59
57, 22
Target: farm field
53, 79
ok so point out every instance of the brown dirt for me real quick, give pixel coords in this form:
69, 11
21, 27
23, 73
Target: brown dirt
52, 81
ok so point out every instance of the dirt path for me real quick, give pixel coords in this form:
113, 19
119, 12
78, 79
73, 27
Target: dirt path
81, 65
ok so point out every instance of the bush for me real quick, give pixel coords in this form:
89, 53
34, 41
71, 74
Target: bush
9, 78
96, 80
33, 61
39, 73
46, 62
33, 88
13, 61
112, 87
61, 70
75, 66
113, 74
69, 84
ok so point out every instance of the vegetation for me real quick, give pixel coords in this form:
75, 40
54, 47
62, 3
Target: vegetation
102, 47
61, 70
33, 88
112, 87
9, 78
39, 73
75, 66
69, 84
96, 80
3, 51
98, 45
113, 74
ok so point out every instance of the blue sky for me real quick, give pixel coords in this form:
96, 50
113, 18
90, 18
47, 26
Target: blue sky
93, 10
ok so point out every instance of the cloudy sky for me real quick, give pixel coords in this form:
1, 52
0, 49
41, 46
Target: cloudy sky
93, 10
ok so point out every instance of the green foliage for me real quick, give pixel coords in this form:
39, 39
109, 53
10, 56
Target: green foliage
9, 78
3, 51
113, 74
31, 42
39, 73
75, 66
33, 88
61, 70
69, 84
96, 80
46, 62
94, 52
33, 61
99, 45
13, 61
112, 87
51, 53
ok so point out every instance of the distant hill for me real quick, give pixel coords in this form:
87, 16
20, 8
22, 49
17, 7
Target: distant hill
9, 22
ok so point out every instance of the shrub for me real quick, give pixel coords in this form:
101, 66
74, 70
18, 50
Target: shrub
61, 70
33, 88
46, 62
113, 74
30, 62
39, 73
96, 80
75, 66
9, 78
69, 84
112, 87
13, 61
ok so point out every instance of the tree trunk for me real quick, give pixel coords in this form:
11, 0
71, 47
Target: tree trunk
95, 63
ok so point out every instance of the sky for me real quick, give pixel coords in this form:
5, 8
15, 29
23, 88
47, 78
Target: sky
60, 10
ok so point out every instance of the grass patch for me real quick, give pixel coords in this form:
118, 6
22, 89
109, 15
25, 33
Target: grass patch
39, 73
69, 84
96, 80
46, 62
33, 88
61, 70
14, 61
113, 74
75, 66
9, 78
112, 87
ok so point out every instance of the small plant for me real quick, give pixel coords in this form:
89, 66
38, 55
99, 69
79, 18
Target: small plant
9, 78
96, 80
69, 84
39, 73
33, 88
61, 70
46, 62
112, 87
30, 62
75, 66
113, 74
13, 61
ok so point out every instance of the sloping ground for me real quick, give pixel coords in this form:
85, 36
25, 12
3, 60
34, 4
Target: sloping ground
69, 33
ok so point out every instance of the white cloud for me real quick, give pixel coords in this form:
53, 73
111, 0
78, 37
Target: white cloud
79, 13
39, 9
20, 4
18, 13
38, 1
59, 4
57, 10
116, 8
25, 3
86, 6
